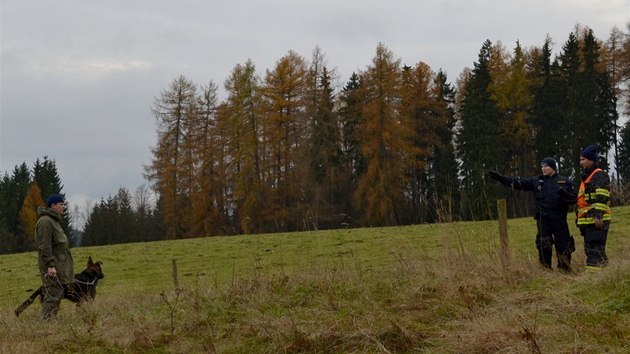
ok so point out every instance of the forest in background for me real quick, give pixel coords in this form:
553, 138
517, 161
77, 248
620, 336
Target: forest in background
397, 144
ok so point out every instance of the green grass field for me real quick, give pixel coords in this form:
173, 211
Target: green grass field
438, 288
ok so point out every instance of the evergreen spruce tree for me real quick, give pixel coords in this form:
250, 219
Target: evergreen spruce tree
444, 170
97, 226
351, 102
46, 175
15, 188
323, 177
598, 102
16, 192
128, 230
571, 118
5, 186
623, 159
477, 140
546, 113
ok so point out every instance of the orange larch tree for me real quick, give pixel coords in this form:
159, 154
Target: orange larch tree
386, 144
171, 169
28, 214
284, 126
242, 126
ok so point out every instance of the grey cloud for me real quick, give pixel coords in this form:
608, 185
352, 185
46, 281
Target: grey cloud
87, 72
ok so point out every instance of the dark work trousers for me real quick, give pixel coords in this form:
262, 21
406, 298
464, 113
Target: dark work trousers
552, 231
53, 293
595, 245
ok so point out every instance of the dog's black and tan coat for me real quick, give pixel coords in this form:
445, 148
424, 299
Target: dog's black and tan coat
82, 289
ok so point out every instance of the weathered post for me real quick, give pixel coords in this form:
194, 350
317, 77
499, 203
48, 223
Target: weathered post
175, 280
503, 234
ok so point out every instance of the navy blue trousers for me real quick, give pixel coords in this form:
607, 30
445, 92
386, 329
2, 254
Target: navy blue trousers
554, 232
595, 245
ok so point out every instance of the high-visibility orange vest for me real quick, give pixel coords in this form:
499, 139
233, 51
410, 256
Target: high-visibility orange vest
588, 201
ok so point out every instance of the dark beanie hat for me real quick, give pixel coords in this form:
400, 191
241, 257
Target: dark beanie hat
54, 199
590, 152
551, 162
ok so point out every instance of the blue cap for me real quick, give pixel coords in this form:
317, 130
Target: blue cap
551, 162
54, 199
590, 152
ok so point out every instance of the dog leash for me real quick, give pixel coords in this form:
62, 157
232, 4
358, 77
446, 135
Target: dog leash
75, 280
86, 283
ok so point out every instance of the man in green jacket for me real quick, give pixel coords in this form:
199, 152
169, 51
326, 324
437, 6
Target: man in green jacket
56, 266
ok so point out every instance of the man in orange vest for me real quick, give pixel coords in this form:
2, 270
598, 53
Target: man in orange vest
593, 208
553, 194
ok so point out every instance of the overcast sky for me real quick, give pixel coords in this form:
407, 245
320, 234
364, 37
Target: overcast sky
78, 78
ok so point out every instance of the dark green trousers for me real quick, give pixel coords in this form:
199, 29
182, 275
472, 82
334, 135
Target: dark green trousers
53, 293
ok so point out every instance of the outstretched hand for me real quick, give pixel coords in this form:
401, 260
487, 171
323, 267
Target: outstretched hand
494, 175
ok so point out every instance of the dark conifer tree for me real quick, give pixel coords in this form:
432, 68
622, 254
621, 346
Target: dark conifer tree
571, 115
96, 226
444, 169
46, 176
16, 192
113, 221
546, 114
351, 102
623, 159
477, 139
5, 187
597, 101
326, 172
146, 218
9, 238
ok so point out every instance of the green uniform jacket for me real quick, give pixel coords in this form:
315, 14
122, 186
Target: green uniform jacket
52, 246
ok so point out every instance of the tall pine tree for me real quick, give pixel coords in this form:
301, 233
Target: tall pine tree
324, 188
477, 140
351, 101
443, 171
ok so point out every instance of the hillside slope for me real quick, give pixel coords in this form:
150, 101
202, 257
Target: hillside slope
436, 288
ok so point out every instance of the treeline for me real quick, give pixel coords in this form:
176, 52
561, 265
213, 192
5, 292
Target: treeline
123, 218
397, 145
21, 193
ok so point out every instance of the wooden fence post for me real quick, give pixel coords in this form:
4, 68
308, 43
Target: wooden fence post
175, 280
503, 233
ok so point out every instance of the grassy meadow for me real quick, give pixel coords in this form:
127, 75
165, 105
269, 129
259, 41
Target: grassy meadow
438, 288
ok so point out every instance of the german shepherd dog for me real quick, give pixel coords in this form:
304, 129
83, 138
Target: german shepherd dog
83, 289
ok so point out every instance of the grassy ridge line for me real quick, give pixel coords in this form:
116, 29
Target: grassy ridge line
147, 266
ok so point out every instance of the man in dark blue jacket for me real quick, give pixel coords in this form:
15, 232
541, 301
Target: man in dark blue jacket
552, 196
